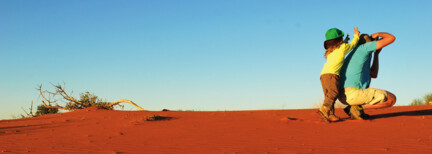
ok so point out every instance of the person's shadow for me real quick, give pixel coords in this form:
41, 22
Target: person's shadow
406, 113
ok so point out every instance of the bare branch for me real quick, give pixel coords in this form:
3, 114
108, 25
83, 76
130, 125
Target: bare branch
25, 111
31, 109
45, 103
58, 107
62, 92
40, 91
71, 102
47, 100
125, 101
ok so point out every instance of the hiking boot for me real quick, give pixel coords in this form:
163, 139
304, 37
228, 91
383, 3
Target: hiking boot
356, 112
334, 118
327, 114
362, 113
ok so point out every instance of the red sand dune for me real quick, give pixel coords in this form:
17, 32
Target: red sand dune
406, 129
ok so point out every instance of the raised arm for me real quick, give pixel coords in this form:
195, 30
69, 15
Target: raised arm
354, 42
386, 39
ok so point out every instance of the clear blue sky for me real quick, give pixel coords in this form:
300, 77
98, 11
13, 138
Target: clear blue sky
201, 55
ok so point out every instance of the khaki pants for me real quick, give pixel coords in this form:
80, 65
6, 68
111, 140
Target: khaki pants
370, 96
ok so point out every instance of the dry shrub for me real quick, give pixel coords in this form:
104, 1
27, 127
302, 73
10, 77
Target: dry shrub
52, 99
427, 100
42, 110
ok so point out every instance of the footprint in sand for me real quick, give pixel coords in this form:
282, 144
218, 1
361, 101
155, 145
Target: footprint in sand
286, 119
292, 119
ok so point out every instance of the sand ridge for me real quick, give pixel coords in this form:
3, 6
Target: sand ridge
401, 129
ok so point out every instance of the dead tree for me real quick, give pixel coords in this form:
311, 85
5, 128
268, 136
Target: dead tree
74, 104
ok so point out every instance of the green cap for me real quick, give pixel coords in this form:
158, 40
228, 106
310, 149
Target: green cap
333, 33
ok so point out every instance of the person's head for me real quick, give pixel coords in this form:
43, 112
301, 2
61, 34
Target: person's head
334, 38
365, 38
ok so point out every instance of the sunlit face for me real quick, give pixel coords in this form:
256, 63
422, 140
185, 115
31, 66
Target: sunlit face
368, 38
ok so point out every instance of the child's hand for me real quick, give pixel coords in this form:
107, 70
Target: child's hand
356, 31
347, 38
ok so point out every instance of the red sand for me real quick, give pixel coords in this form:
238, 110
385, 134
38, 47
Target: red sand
406, 129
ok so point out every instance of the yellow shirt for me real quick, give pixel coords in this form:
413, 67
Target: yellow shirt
336, 58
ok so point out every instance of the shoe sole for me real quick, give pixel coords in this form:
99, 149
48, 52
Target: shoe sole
356, 118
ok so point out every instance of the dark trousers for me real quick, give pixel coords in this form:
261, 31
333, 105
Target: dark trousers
330, 85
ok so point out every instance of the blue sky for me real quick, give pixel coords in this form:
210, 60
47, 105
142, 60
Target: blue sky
201, 55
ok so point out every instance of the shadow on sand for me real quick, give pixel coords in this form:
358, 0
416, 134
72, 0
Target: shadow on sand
406, 113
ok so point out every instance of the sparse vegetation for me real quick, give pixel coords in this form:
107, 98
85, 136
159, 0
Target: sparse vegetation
27, 114
427, 99
86, 100
51, 102
89, 100
42, 110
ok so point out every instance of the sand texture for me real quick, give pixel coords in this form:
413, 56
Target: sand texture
404, 129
